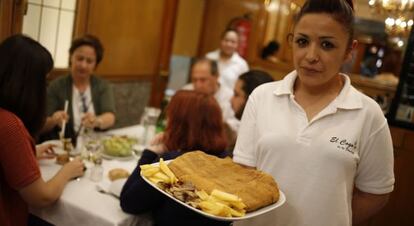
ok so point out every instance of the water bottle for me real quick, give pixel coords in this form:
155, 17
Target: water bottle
162, 119
149, 122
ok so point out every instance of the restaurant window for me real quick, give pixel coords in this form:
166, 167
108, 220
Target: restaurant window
51, 23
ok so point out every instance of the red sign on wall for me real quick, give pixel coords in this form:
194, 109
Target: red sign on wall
243, 26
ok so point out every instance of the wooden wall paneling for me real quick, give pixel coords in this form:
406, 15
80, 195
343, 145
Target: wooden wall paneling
131, 34
257, 13
81, 18
11, 17
398, 136
137, 38
258, 34
160, 79
188, 27
360, 51
400, 208
6, 18
19, 10
286, 27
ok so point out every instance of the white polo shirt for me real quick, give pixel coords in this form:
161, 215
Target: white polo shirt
317, 163
229, 70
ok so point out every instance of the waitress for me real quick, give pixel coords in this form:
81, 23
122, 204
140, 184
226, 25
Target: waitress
327, 145
91, 101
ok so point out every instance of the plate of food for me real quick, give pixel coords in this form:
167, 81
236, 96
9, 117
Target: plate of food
193, 181
118, 147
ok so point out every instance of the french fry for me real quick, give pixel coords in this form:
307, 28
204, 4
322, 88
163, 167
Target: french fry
225, 196
147, 166
220, 203
238, 205
150, 171
211, 207
164, 168
237, 213
216, 200
225, 210
154, 180
164, 178
202, 194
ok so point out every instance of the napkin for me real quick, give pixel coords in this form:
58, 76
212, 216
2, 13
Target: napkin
111, 187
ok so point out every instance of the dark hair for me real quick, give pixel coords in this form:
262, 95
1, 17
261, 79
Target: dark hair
88, 40
270, 49
194, 122
212, 63
341, 10
23, 69
227, 31
253, 79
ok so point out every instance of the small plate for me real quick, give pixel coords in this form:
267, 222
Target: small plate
281, 201
59, 147
46, 161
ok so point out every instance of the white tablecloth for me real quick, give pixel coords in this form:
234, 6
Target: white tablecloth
82, 204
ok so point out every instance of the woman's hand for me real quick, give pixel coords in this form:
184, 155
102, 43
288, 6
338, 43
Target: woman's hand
45, 151
90, 120
58, 117
74, 168
157, 144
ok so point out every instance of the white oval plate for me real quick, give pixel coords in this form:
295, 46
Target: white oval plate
281, 201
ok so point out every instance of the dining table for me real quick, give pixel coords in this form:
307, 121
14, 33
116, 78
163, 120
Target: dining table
86, 202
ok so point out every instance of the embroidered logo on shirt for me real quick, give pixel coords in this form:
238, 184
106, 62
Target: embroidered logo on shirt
344, 144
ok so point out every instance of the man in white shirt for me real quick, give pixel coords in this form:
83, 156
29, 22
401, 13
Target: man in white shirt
230, 64
205, 79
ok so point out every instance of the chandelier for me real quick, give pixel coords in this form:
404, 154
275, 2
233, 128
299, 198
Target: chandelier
399, 15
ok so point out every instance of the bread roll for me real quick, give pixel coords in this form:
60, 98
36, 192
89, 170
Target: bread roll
117, 173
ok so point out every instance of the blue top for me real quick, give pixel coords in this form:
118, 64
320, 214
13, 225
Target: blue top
138, 197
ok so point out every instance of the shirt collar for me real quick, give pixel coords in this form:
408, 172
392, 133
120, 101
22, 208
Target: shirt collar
234, 57
348, 98
286, 86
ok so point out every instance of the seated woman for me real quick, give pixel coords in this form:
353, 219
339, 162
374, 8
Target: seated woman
194, 122
91, 101
23, 69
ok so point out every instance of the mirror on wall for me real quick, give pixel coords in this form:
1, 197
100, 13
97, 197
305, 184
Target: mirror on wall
402, 107
279, 17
